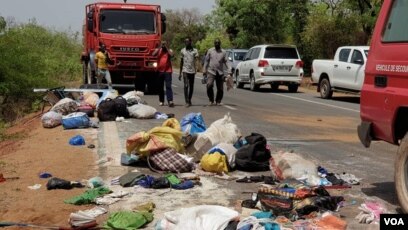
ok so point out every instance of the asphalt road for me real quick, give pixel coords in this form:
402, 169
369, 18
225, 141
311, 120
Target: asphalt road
323, 131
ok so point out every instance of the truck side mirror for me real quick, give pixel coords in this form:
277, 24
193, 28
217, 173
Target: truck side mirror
163, 23
89, 21
229, 58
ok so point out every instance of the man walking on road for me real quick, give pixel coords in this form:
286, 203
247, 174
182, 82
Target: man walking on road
101, 61
215, 61
188, 69
165, 71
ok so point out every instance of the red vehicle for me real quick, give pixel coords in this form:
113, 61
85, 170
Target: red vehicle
384, 96
130, 33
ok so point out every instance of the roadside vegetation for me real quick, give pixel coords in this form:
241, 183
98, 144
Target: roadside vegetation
32, 56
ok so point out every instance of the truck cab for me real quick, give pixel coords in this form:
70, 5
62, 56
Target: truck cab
384, 96
130, 33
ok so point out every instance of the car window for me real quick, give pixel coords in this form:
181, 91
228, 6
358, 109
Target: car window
396, 28
357, 56
281, 53
230, 56
248, 54
239, 56
344, 54
255, 53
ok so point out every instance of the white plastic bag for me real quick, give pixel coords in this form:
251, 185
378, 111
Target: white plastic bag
141, 111
203, 217
133, 94
65, 106
286, 165
220, 131
51, 119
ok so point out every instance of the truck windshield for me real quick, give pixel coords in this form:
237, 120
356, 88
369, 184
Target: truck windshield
281, 53
127, 22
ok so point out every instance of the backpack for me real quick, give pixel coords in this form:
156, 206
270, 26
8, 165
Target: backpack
121, 107
106, 110
254, 156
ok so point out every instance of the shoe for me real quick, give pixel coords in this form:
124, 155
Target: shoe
161, 103
244, 180
218, 103
211, 104
171, 104
187, 105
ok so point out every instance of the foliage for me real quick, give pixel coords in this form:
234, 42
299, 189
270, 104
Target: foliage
32, 56
182, 24
252, 22
208, 41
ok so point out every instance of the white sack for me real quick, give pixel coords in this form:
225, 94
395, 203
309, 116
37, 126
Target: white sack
65, 106
203, 217
51, 119
141, 111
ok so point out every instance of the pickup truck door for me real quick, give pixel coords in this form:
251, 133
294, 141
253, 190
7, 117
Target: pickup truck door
340, 69
355, 76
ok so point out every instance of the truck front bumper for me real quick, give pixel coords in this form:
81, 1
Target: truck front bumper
364, 133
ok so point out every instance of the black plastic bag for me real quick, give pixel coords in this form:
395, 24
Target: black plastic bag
57, 183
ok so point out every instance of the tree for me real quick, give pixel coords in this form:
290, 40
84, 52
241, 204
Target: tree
251, 22
2, 23
181, 24
208, 41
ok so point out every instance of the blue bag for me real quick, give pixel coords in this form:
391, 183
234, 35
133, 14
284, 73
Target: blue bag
193, 123
76, 120
77, 140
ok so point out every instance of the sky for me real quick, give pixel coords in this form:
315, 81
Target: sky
69, 14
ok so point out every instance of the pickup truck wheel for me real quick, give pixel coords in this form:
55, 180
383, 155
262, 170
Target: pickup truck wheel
293, 88
325, 89
239, 84
253, 86
401, 174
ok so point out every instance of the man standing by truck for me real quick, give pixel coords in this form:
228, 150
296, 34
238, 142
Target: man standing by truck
188, 69
165, 71
101, 61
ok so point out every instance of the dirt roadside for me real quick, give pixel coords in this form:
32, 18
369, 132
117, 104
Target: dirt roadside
41, 150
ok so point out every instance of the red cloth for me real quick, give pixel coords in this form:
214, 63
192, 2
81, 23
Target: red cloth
164, 62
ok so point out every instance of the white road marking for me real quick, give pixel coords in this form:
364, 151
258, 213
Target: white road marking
318, 103
111, 139
229, 107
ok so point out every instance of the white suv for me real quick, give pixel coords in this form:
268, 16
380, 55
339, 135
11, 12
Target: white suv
270, 64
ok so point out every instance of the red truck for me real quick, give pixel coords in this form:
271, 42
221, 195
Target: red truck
130, 33
384, 96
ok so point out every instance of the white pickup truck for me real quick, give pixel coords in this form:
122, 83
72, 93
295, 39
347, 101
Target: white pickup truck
344, 73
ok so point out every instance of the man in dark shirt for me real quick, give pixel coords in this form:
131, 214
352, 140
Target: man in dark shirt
215, 61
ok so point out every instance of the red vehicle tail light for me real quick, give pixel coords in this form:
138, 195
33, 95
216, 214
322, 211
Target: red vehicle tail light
299, 64
263, 63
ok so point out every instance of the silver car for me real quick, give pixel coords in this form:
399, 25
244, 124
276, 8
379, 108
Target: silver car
235, 56
270, 64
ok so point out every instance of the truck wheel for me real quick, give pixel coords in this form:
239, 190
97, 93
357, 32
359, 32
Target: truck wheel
401, 174
85, 73
274, 86
152, 83
239, 84
325, 89
293, 88
253, 86
91, 76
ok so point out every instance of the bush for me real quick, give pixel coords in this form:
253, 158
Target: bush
32, 56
